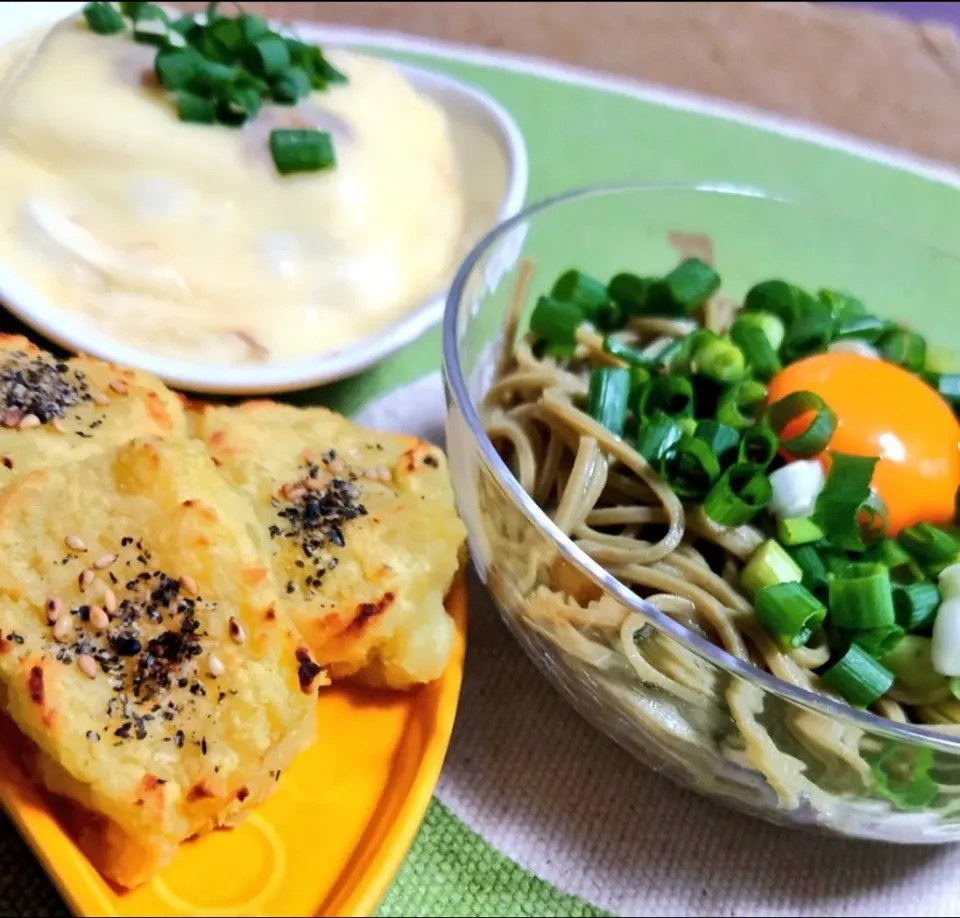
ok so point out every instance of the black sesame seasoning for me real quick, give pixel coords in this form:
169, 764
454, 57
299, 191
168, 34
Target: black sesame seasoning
38, 386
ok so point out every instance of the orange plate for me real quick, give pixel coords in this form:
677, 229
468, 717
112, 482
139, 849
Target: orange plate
328, 842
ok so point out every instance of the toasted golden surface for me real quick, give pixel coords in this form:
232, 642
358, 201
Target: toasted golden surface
362, 529
143, 649
54, 411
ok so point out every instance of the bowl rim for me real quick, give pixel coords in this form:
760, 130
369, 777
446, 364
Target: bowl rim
457, 392
79, 335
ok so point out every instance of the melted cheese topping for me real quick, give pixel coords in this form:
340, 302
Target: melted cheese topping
183, 239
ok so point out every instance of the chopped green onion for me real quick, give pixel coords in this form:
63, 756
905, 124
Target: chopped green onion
866, 328
905, 783
555, 322
671, 394
811, 329
760, 356
639, 377
742, 405
196, 109
670, 351
861, 597
798, 531
626, 352
814, 572
858, 678
721, 438
253, 28
843, 306
590, 295
690, 468
768, 565
892, 554
915, 605
845, 493
177, 68
689, 285
759, 445
948, 385
774, 296
794, 407
630, 292
188, 27
130, 10
911, 663
152, 30
657, 437
608, 397
738, 496
291, 86
103, 18
878, 642
239, 105
716, 359
772, 327
269, 56
789, 611
905, 348
939, 360
928, 543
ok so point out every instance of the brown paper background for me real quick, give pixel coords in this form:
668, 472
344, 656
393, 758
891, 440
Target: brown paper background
862, 72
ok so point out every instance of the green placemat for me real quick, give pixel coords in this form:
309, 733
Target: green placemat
576, 135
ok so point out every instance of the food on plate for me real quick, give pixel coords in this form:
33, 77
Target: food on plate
362, 530
209, 188
55, 410
778, 474
144, 650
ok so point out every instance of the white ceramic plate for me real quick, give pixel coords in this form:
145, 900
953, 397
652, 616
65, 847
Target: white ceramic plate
493, 161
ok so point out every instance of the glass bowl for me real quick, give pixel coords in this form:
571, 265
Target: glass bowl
726, 729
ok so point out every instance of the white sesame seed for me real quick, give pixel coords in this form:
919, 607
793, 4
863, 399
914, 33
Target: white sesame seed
28, 421
85, 578
336, 466
11, 417
54, 608
98, 398
57, 425
75, 543
189, 584
119, 386
104, 561
296, 492
62, 628
99, 618
216, 666
316, 484
109, 601
87, 665
237, 631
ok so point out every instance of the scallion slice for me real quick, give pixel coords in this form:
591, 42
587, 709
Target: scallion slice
741, 492
845, 493
928, 543
717, 359
798, 531
590, 295
843, 306
742, 404
291, 86
858, 678
865, 328
861, 597
672, 395
773, 296
758, 353
878, 642
915, 605
901, 774
554, 321
790, 612
630, 292
939, 360
626, 352
689, 285
769, 564
268, 56
657, 437
811, 329
794, 407
239, 105
177, 68
103, 18
758, 445
690, 468
608, 397
772, 327
814, 572
253, 28
905, 348
721, 438
911, 663
196, 109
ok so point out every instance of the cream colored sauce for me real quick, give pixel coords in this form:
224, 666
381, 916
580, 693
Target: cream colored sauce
184, 240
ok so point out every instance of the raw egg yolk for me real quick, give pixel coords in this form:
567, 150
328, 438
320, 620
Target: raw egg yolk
885, 411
